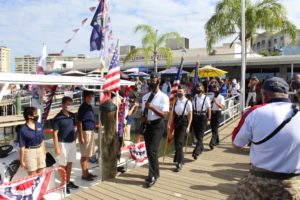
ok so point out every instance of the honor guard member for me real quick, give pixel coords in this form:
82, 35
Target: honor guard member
31, 143
273, 131
182, 122
64, 139
85, 127
218, 104
157, 110
201, 117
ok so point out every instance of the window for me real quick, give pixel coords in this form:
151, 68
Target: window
270, 43
275, 41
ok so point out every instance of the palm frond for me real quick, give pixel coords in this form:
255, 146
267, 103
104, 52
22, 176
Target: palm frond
162, 39
166, 52
132, 54
146, 29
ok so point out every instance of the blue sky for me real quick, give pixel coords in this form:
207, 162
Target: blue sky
26, 24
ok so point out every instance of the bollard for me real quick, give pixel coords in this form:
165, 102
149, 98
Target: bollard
109, 146
18, 104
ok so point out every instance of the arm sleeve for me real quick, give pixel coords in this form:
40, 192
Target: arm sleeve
55, 124
21, 138
207, 102
189, 106
244, 135
222, 101
166, 106
79, 115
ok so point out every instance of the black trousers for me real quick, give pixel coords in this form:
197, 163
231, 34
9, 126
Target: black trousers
153, 135
179, 134
199, 125
215, 122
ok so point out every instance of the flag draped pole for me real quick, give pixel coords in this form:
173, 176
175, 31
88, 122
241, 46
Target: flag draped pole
174, 89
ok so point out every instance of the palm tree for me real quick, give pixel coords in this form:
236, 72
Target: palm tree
152, 45
264, 14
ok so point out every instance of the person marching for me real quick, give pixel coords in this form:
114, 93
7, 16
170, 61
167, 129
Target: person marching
31, 143
182, 122
155, 111
64, 139
201, 117
85, 128
218, 103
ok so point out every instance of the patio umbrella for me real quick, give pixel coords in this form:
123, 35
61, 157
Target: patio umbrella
132, 70
138, 74
209, 71
74, 72
172, 70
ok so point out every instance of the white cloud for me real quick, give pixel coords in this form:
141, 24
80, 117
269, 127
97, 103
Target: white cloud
26, 24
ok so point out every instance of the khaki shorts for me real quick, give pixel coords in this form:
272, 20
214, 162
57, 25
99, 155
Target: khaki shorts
34, 159
87, 149
68, 153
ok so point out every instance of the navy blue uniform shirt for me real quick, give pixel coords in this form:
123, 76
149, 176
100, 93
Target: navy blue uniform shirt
65, 126
86, 116
29, 137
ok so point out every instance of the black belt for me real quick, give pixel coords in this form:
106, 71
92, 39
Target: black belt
154, 122
33, 147
88, 129
199, 113
272, 175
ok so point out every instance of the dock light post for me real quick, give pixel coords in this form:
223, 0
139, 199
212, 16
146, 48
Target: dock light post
243, 46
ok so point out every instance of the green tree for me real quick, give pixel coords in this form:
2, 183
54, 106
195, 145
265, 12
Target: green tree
267, 15
152, 45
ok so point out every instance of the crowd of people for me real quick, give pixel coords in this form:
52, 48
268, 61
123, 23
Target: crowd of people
193, 111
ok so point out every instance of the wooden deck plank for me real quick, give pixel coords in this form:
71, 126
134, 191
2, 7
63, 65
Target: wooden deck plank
212, 176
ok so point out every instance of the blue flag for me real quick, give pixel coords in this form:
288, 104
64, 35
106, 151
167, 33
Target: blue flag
196, 77
97, 36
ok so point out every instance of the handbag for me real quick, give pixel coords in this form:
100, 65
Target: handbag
50, 161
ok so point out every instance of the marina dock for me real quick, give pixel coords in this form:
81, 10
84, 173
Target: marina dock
213, 175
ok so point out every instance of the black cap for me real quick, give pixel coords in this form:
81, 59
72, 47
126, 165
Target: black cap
155, 75
276, 85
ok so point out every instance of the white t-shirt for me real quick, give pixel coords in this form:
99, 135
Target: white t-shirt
199, 101
220, 100
160, 101
282, 152
180, 106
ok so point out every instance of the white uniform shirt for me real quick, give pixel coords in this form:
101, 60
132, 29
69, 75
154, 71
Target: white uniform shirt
282, 152
160, 101
220, 100
199, 102
180, 106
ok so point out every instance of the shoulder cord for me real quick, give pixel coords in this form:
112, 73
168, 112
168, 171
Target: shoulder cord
295, 111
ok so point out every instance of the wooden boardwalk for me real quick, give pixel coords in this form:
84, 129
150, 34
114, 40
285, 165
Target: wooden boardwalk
213, 176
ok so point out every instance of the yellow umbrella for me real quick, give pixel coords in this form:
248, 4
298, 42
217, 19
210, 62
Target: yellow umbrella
209, 71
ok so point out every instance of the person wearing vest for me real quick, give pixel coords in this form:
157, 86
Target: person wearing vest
201, 117
182, 122
273, 131
218, 104
155, 108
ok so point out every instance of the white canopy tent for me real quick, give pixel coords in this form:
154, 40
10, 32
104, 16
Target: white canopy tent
38, 79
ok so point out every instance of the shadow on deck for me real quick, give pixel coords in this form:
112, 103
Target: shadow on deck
213, 176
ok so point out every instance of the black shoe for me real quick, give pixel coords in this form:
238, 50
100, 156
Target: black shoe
211, 146
87, 178
71, 185
195, 157
178, 167
150, 182
68, 190
92, 175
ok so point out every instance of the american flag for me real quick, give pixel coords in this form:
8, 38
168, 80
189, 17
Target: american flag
111, 49
112, 79
172, 101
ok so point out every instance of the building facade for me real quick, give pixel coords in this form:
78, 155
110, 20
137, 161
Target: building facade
4, 59
274, 42
28, 64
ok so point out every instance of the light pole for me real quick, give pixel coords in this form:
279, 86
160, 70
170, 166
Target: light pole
243, 46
